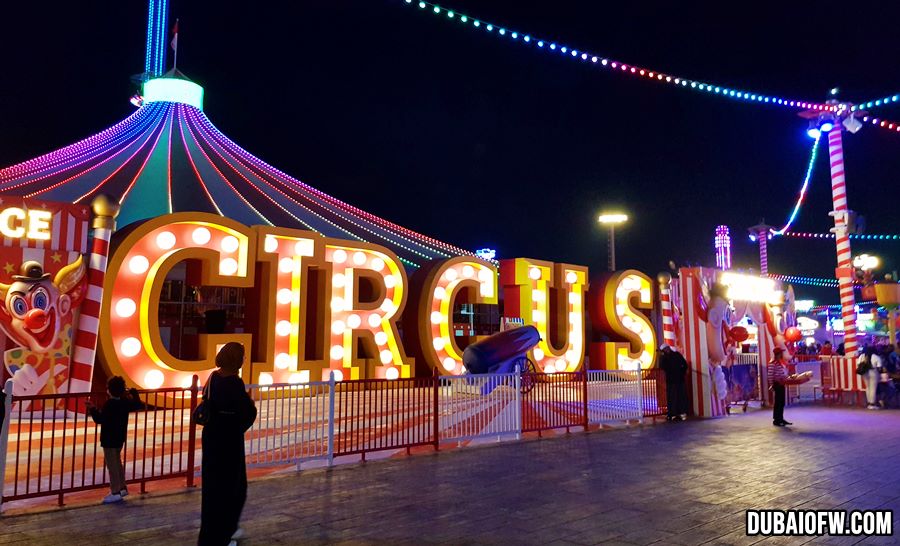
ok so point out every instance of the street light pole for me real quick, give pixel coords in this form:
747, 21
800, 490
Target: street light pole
611, 251
611, 219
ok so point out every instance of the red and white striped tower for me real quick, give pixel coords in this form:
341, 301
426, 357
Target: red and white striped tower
665, 303
761, 233
85, 346
840, 213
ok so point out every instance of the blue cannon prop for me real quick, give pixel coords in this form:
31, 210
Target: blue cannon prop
501, 352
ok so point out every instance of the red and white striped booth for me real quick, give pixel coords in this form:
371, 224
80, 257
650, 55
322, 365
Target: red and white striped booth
703, 335
844, 378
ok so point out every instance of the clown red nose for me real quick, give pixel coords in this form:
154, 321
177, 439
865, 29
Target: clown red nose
35, 319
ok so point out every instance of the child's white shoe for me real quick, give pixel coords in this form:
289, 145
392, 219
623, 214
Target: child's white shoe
239, 534
123, 493
111, 498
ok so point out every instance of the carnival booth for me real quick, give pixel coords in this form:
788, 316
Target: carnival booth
709, 309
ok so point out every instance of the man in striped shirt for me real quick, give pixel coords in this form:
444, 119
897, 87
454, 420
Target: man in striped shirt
777, 372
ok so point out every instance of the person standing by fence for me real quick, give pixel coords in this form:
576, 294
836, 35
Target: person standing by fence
113, 421
777, 373
675, 367
224, 467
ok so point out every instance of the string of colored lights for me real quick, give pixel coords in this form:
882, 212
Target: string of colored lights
607, 63
878, 122
809, 281
802, 196
157, 34
859, 236
837, 306
875, 103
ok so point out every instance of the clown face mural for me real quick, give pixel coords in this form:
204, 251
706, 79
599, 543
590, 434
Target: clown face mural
36, 314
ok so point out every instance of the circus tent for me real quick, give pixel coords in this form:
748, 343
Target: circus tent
169, 157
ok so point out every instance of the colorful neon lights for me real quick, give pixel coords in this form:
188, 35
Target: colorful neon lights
860, 236
617, 66
173, 90
157, 42
803, 188
722, 244
875, 103
883, 123
809, 281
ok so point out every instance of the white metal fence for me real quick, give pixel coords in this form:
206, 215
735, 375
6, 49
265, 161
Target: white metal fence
299, 423
614, 395
293, 423
477, 406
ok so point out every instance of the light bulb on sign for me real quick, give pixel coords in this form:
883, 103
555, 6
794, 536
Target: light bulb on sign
338, 327
165, 240
130, 346
138, 264
283, 361
285, 296
125, 307
201, 236
154, 379
283, 328
230, 244
228, 266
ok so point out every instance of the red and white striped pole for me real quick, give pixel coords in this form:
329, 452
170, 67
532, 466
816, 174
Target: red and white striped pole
81, 371
761, 232
840, 213
665, 303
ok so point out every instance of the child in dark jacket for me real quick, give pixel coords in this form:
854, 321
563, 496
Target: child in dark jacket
113, 421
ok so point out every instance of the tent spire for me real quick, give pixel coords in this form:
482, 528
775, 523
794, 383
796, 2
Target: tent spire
157, 33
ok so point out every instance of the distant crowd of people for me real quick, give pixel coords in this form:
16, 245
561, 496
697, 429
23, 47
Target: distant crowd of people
880, 365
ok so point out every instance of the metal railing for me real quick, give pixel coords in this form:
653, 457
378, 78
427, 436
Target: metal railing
292, 423
50, 446
479, 406
653, 393
614, 395
557, 400
378, 414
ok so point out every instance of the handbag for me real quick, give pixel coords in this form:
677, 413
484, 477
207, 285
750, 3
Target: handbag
204, 410
863, 367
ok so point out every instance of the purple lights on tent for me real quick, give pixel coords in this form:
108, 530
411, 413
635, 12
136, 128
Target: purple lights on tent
169, 157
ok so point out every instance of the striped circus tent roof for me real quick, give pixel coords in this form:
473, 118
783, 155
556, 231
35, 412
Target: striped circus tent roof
169, 157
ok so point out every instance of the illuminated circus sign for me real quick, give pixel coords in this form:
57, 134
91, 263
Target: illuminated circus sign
325, 306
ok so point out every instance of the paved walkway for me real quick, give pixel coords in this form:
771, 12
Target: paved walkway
686, 483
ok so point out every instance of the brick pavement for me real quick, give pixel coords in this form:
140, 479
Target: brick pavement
686, 483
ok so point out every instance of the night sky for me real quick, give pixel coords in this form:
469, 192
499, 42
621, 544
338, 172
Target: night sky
482, 141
